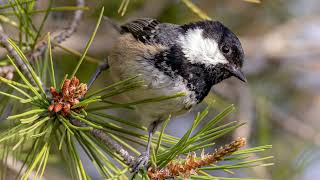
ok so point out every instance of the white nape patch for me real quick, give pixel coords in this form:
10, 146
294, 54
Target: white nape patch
198, 49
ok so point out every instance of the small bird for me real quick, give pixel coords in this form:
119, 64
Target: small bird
172, 58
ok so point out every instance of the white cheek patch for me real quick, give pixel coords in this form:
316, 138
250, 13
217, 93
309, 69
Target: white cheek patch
198, 49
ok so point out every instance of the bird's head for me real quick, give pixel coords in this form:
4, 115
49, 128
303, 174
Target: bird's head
214, 46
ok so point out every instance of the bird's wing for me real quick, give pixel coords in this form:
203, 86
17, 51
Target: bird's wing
143, 29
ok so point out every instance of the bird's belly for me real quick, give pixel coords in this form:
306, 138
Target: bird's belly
156, 84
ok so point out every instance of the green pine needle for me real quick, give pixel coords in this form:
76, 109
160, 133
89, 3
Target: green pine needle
88, 43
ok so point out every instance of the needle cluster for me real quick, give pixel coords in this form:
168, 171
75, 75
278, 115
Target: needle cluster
191, 164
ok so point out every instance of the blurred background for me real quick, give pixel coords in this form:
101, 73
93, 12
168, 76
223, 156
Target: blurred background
281, 101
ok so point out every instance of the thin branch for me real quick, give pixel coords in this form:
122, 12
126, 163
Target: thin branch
191, 164
61, 36
69, 97
41, 47
108, 141
4, 41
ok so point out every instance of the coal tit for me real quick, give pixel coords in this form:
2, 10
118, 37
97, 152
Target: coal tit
172, 58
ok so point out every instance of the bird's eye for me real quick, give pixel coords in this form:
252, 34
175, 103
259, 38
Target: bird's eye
225, 49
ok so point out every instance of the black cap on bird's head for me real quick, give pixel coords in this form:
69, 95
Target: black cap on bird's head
214, 45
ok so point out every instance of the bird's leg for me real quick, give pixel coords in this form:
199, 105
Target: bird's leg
143, 159
101, 67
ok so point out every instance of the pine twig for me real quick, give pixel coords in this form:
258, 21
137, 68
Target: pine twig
190, 165
41, 47
108, 141
63, 102
4, 41
61, 36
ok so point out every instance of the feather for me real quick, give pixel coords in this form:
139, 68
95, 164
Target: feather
143, 29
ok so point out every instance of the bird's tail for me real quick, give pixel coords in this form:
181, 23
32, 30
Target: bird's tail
113, 23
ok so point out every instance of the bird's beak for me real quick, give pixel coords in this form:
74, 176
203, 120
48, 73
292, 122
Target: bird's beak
236, 72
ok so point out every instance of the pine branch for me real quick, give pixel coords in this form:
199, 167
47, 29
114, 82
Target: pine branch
4, 41
56, 38
191, 164
108, 141
63, 35
64, 102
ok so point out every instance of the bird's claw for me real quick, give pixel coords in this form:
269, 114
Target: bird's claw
141, 162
